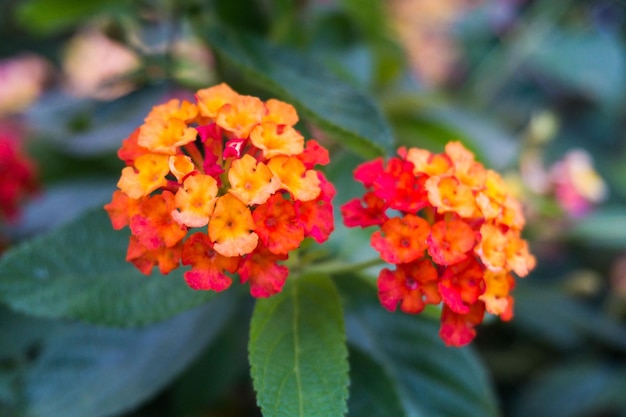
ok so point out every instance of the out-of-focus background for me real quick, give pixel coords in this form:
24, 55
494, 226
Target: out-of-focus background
537, 88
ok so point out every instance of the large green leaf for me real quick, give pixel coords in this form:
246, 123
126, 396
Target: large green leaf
603, 228
79, 272
433, 380
591, 63
581, 388
84, 127
298, 352
371, 17
372, 392
349, 114
98, 372
419, 122
548, 314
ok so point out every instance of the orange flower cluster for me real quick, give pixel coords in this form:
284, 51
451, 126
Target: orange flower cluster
456, 238
234, 166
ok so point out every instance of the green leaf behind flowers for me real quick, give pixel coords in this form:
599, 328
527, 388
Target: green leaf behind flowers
79, 272
347, 113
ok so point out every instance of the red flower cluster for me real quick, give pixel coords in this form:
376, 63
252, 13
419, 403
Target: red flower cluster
17, 173
234, 166
451, 229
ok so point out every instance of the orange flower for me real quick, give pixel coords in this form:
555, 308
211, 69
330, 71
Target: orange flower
231, 227
448, 194
121, 209
147, 175
154, 226
262, 271
412, 285
234, 164
274, 139
303, 184
144, 259
404, 239
195, 200
208, 266
211, 100
277, 225
496, 297
450, 241
280, 113
252, 182
453, 230
240, 115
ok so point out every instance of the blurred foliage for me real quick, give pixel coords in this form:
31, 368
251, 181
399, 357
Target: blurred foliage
342, 64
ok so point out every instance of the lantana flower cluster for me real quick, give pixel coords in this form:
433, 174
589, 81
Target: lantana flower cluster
452, 231
224, 185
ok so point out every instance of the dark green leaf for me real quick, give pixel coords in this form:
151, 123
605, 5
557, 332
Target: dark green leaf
98, 372
79, 271
433, 380
575, 389
337, 107
422, 124
218, 369
372, 19
591, 63
550, 315
604, 228
60, 203
86, 128
372, 392
297, 351
20, 333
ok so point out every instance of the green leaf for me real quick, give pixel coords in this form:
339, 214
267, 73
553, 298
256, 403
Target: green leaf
591, 63
372, 19
432, 380
49, 16
349, 114
575, 389
79, 271
549, 315
419, 123
226, 357
61, 202
372, 392
297, 351
84, 127
99, 372
603, 228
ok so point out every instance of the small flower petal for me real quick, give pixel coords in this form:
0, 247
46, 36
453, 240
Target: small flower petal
231, 227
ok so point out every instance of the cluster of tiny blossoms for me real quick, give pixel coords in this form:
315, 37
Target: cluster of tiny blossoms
452, 230
231, 172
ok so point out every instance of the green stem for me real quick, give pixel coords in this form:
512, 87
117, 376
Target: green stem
334, 267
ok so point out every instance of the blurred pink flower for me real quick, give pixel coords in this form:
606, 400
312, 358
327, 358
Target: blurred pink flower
424, 28
577, 185
22, 79
95, 66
